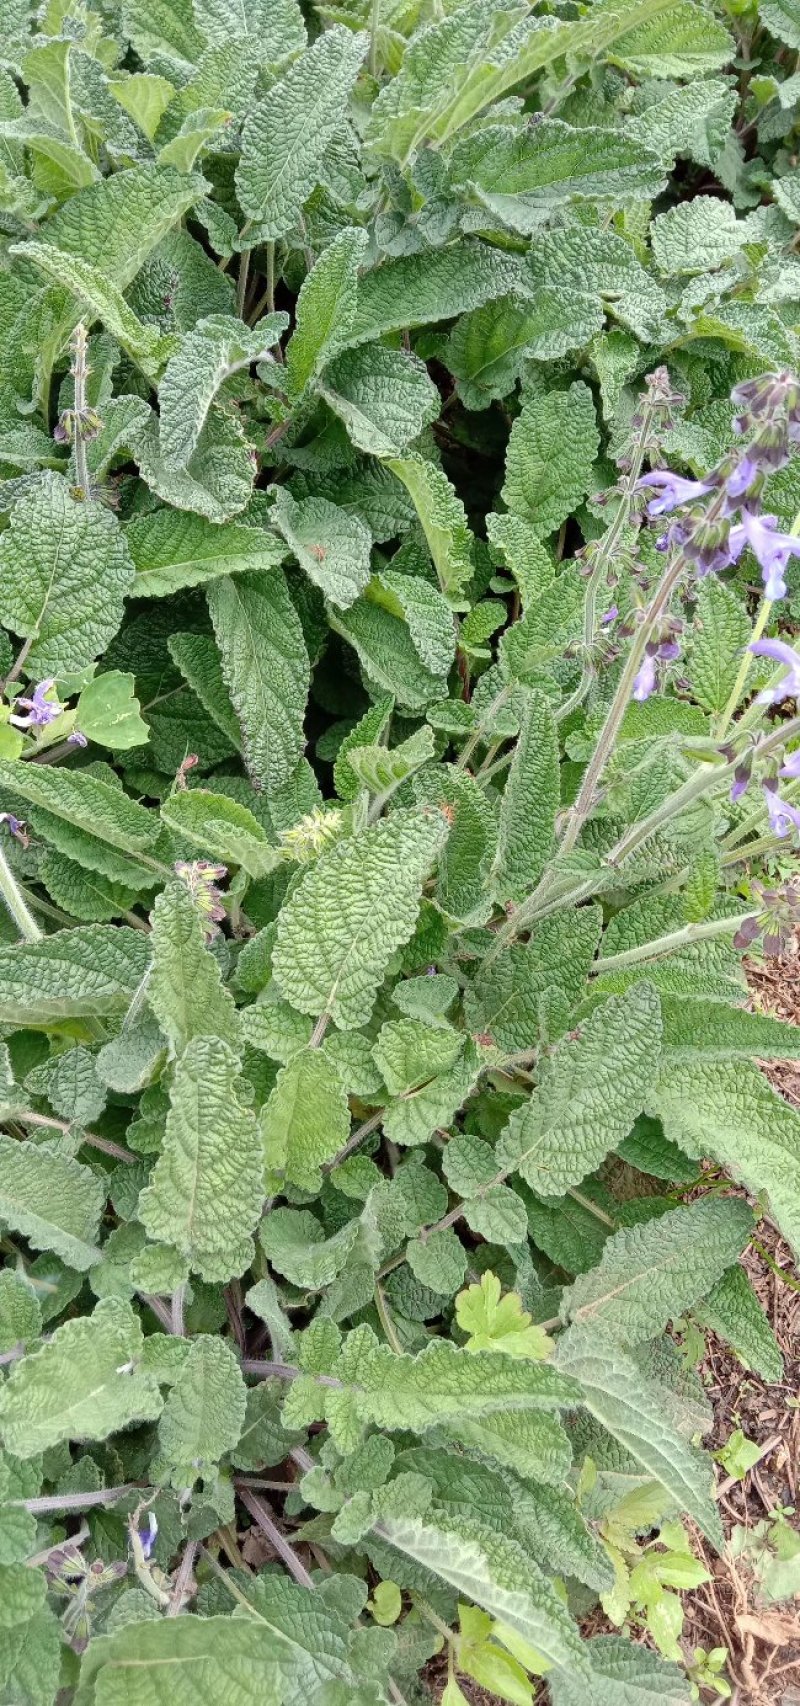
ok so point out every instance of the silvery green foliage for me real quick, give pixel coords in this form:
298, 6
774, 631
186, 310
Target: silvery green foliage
370, 976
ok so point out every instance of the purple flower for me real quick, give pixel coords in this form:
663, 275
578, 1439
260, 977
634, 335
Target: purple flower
77, 739
16, 827
668, 651
609, 616
674, 490
645, 681
738, 483
780, 652
771, 549
741, 778
149, 1534
792, 764
41, 709
782, 816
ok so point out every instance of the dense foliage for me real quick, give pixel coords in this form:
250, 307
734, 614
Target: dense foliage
379, 792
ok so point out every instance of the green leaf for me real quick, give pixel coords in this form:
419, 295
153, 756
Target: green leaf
101, 299
650, 1274
695, 1027
289, 1650
438, 1261
217, 482
90, 970
199, 662
522, 175
443, 520
197, 129
482, 1566
529, 805
782, 17
589, 1094
222, 829
631, 1408
90, 805
551, 450
720, 632
624, 1673
64, 572
733, 1312
694, 121
488, 349
409, 1053
205, 1196
108, 712
506, 997
348, 914
275, 27
171, 550
285, 136
418, 290
204, 1413
727, 1109
578, 259
85, 1383
265, 665
52, 1200
20, 1314
305, 1121
297, 1247
218, 347
696, 236
495, 1324
679, 41
185, 987
145, 96
325, 309
381, 769
332, 546
384, 397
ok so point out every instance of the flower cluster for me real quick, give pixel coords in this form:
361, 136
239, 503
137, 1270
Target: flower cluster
202, 880
710, 537
42, 706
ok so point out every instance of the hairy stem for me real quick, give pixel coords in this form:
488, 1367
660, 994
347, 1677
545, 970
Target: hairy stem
80, 374
12, 895
669, 944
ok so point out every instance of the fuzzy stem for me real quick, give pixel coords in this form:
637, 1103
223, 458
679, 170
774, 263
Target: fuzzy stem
241, 283
373, 37
105, 1144
261, 1516
80, 374
669, 944
12, 895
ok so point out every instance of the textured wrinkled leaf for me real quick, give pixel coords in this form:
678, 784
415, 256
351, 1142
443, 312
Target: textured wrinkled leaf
783, 19
696, 236
632, 1409
325, 309
551, 450
720, 633
85, 801
589, 1094
409, 1053
205, 1196
420, 289
732, 1310
506, 996
726, 1109
479, 1568
623, 1673
222, 829
171, 550
64, 572
332, 546
679, 41
20, 1314
341, 925
204, 1413
694, 121
55, 1202
265, 665
285, 136
385, 645
714, 1030
488, 348
100, 298
384, 397
218, 347
529, 805
650, 1274
216, 483
83, 1384
443, 520
185, 987
522, 175
91, 969
382, 768
298, 1249
305, 1121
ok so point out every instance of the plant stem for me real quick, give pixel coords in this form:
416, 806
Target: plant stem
12, 895
261, 1516
73, 1501
477, 734
271, 277
386, 1320
80, 374
355, 1139
241, 283
608, 734
688, 933
373, 37
27, 1117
